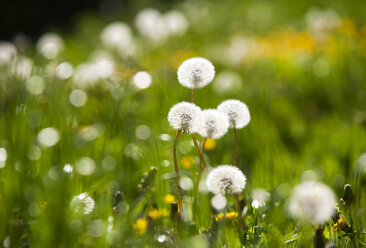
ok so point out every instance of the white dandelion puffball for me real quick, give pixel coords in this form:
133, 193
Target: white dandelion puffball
22, 67
236, 111
151, 24
176, 22
227, 82
82, 204
196, 73
313, 202
64, 70
226, 179
8, 52
142, 80
218, 201
214, 124
260, 196
185, 117
48, 137
118, 36
50, 45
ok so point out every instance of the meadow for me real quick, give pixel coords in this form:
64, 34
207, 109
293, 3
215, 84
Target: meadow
86, 148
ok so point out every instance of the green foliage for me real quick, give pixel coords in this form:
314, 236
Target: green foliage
307, 100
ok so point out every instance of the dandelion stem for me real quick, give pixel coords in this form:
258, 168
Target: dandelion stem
239, 212
177, 172
192, 96
202, 160
234, 148
198, 181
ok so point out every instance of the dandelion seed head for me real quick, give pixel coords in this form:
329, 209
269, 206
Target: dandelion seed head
186, 183
104, 67
68, 168
22, 68
8, 52
82, 204
260, 196
143, 132
64, 70
3, 157
214, 124
225, 179
48, 137
85, 75
313, 202
196, 73
236, 111
151, 24
118, 36
78, 98
176, 22
185, 117
218, 201
85, 166
34, 153
227, 82
142, 80
35, 85
50, 45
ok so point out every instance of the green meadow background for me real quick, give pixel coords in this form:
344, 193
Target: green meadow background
306, 93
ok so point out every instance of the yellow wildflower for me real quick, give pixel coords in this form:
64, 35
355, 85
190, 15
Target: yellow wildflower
156, 214
348, 28
219, 217
43, 204
169, 198
210, 144
336, 227
140, 226
187, 162
231, 215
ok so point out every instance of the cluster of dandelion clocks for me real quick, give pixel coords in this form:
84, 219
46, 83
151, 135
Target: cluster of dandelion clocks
187, 117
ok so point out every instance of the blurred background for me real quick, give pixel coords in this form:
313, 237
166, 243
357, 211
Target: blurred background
85, 88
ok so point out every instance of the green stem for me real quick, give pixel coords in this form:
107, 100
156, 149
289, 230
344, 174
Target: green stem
202, 160
192, 96
239, 212
180, 201
198, 183
234, 148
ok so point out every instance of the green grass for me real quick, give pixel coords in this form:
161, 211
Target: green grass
301, 121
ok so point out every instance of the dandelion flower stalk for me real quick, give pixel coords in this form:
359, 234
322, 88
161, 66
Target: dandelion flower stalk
192, 96
198, 181
234, 147
238, 115
239, 211
202, 160
180, 201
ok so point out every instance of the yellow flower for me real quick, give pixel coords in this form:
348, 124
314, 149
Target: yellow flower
231, 215
156, 214
342, 222
140, 226
336, 227
187, 162
210, 144
169, 198
348, 28
43, 204
219, 217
